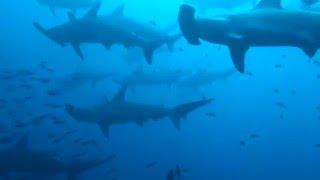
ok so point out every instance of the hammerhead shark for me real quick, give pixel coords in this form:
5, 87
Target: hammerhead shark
266, 25
20, 158
120, 111
93, 29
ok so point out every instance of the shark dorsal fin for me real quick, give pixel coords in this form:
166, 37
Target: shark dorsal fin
269, 4
119, 11
71, 17
93, 12
121, 94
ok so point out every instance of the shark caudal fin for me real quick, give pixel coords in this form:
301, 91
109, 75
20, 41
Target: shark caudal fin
171, 40
181, 111
188, 25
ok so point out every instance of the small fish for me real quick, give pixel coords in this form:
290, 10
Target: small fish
249, 73
317, 63
50, 70
111, 158
292, 92
281, 105
170, 175
26, 86
186, 170
28, 98
278, 66
79, 155
53, 93
24, 73
254, 136
42, 80
43, 64
58, 139
276, 91
11, 88
59, 121
54, 106
153, 23
243, 143
88, 142
39, 119
77, 141
211, 114
21, 124
69, 132
151, 165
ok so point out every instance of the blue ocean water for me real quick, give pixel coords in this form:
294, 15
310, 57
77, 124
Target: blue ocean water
263, 124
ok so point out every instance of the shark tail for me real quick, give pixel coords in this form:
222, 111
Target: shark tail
172, 40
187, 23
181, 111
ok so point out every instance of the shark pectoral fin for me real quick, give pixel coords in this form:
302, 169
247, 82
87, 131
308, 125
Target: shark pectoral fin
148, 54
76, 47
310, 51
177, 123
71, 17
106, 131
238, 51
